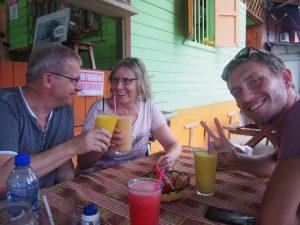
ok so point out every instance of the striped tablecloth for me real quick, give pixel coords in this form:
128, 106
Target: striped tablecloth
107, 189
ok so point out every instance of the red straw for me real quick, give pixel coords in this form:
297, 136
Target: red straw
115, 105
162, 172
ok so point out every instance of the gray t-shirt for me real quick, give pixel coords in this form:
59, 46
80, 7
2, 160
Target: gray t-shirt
149, 119
21, 133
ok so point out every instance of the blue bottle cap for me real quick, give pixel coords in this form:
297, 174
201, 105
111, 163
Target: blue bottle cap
22, 160
90, 210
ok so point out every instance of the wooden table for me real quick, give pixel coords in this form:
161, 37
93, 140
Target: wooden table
258, 133
107, 189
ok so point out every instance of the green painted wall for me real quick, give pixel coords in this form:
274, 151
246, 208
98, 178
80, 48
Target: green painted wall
183, 75
18, 28
249, 21
104, 50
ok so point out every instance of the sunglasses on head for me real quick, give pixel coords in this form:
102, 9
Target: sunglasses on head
244, 53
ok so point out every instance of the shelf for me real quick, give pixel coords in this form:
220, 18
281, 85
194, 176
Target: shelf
110, 8
284, 47
284, 43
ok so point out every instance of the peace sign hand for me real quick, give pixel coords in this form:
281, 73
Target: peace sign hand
226, 151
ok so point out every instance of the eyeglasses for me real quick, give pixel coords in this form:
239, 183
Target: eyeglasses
124, 81
74, 80
244, 53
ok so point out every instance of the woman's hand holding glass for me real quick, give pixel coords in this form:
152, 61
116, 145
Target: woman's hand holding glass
116, 140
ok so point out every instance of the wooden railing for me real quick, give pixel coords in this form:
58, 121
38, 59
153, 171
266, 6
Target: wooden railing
12, 74
255, 9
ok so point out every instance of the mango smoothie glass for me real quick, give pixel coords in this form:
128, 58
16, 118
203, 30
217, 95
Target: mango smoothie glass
124, 123
106, 121
205, 171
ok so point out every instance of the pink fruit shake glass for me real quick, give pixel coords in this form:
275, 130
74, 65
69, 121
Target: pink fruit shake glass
144, 201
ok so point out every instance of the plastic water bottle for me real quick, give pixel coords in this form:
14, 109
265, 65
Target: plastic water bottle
22, 183
17, 213
90, 215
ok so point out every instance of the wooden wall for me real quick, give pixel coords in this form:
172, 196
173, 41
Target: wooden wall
254, 36
259, 34
12, 73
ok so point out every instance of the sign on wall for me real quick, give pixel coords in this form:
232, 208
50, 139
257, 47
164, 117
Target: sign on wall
52, 27
13, 9
91, 83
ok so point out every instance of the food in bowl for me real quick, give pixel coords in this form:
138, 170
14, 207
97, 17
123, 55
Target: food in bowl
179, 180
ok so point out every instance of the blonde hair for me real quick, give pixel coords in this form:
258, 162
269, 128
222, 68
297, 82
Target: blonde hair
136, 66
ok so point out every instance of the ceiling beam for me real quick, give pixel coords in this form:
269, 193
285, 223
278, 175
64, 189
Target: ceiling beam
292, 2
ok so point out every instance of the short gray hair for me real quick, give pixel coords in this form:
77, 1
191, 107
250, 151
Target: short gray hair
268, 59
139, 70
50, 57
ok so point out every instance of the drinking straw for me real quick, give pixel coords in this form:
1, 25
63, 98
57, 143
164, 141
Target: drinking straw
208, 145
162, 172
48, 210
115, 105
103, 104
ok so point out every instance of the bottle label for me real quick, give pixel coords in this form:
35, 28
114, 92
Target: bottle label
90, 223
35, 206
90, 220
35, 203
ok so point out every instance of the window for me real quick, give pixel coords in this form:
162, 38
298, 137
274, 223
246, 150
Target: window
214, 22
201, 21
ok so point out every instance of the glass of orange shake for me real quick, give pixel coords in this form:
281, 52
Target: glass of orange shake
124, 123
106, 121
205, 171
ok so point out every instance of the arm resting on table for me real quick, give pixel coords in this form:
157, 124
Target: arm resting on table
259, 165
42, 163
6, 165
171, 146
282, 197
87, 160
65, 172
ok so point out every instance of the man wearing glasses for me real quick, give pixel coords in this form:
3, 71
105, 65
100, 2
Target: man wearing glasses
263, 90
37, 119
